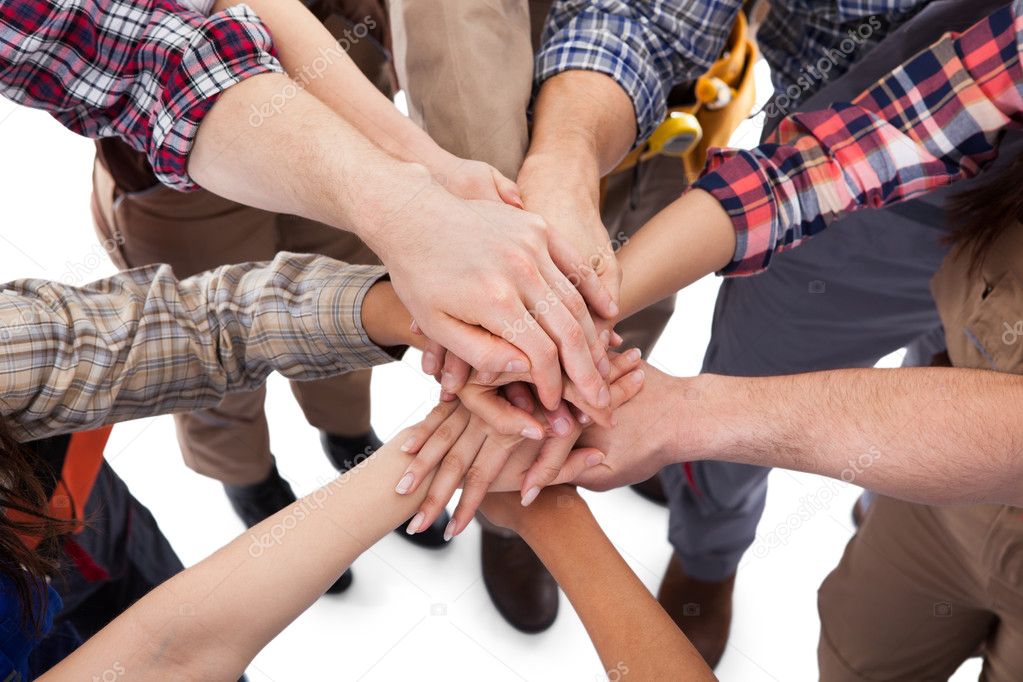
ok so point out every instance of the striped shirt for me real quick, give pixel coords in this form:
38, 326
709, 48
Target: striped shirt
143, 343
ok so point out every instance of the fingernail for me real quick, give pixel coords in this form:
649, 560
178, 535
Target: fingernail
405, 483
604, 397
530, 495
517, 200
612, 309
517, 367
604, 367
447, 381
449, 531
634, 354
594, 459
585, 418
414, 328
413, 526
605, 338
532, 433
636, 377
521, 403
429, 363
561, 426
409, 444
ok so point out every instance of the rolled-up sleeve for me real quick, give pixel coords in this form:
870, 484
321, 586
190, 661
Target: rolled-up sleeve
934, 120
146, 71
646, 47
144, 343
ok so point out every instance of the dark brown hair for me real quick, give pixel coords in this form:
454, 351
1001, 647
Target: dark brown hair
22, 492
982, 214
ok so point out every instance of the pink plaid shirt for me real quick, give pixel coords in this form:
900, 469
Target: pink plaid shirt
934, 120
146, 71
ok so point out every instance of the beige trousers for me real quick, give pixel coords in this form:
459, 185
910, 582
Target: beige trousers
467, 71
919, 589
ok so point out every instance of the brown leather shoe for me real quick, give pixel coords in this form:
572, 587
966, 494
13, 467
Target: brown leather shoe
701, 609
520, 586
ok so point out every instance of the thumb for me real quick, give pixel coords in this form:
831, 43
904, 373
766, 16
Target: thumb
507, 190
579, 465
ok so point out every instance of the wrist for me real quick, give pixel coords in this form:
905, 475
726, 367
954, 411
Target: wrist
712, 418
389, 197
555, 510
385, 319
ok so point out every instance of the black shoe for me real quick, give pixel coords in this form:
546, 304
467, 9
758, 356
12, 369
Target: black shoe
255, 503
346, 452
518, 583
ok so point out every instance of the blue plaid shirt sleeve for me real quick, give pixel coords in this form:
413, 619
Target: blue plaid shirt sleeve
646, 47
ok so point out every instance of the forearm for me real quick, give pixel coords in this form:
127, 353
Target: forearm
931, 435
143, 342
692, 237
584, 124
189, 627
304, 159
316, 62
631, 632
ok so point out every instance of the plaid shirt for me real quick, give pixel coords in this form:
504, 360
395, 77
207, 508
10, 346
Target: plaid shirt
649, 47
934, 120
143, 343
146, 71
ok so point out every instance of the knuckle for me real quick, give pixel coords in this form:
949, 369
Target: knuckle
476, 477
452, 464
433, 503
574, 336
574, 302
444, 432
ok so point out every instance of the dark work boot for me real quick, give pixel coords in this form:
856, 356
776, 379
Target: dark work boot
702, 609
520, 586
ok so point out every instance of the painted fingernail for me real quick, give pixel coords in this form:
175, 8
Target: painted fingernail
413, 526
532, 433
604, 397
594, 459
604, 367
414, 328
517, 367
530, 495
449, 531
409, 444
561, 426
405, 483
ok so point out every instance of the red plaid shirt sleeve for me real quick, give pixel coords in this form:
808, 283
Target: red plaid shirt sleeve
146, 71
934, 120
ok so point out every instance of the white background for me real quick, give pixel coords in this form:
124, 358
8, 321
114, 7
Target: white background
413, 613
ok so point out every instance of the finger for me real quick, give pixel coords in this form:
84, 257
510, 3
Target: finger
455, 374
478, 479
449, 476
433, 354
582, 465
621, 364
493, 408
542, 352
519, 395
560, 420
600, 294
481, 347
442, 437
572, 348
507, 190
581, 417
421, 432
547, 466
616, 339
573, 302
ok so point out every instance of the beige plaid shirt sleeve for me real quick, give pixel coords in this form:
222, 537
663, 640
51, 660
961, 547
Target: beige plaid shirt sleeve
143, 343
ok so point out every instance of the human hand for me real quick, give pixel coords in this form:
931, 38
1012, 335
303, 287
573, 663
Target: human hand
506, 510
471, 179
501, 302
468, 450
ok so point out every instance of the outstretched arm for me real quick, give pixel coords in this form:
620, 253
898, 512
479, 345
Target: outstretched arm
930, 435
143, 343
936, 119
633, 635
189, 627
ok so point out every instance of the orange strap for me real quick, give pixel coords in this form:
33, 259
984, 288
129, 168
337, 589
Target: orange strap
78, 475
